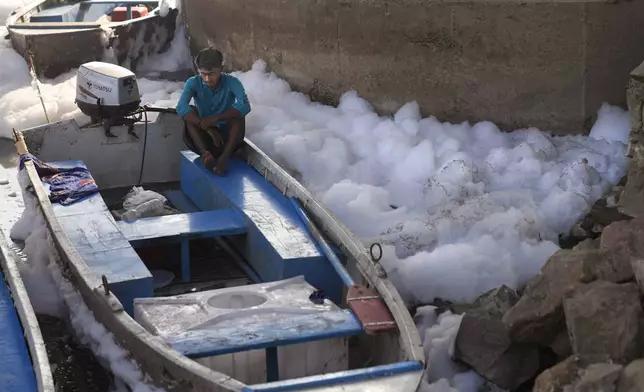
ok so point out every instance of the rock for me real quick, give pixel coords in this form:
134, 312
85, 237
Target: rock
4, 181
608, 265
625, 238
577, 234
632, 378
598, 377
489, 387
484, 344
561, 344
13, 194
578, 231
605, 214
538, 316
491, 304
557, 377
624, 234
565, 374
631, 200
604, 317
597, 228
587, 244
611, 200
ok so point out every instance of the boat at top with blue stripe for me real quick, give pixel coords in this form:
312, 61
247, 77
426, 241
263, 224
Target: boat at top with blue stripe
56, 36
241, 282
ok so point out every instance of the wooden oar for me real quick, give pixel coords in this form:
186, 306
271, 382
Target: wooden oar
369, 308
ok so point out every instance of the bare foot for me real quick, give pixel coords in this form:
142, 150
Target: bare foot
220, 168
208, 161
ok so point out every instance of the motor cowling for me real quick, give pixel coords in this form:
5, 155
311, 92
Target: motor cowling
106, 91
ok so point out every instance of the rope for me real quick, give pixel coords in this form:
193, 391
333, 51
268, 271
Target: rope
32, 71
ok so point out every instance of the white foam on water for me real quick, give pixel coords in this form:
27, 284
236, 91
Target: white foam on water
475, 207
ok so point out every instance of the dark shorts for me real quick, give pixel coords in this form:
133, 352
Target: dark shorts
210, 146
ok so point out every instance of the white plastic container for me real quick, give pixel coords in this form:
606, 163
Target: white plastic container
242, 308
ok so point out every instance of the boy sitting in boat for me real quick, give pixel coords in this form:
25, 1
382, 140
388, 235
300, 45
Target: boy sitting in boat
216, 125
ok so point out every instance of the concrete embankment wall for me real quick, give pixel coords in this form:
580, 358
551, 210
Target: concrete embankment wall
548, 64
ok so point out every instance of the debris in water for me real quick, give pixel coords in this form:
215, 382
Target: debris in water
74, 367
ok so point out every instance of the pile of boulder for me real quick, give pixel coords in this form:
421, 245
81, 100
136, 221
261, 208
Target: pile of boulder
577, 326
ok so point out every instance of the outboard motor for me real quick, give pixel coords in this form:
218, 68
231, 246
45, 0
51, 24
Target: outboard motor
108, 93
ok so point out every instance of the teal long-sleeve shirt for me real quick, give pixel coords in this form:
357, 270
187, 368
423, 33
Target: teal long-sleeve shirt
230, 93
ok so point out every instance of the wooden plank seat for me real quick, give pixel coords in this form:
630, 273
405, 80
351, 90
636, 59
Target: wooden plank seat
93, 232
180, 201
183, 228
215, 339
290, 329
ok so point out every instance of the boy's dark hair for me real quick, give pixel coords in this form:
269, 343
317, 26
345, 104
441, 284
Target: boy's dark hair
209, 58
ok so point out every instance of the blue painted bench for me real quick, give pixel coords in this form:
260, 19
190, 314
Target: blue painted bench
182, 228
290, 329
277, 244
180, 201
95, 235
287, 330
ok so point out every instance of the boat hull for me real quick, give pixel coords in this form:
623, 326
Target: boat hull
30, 329
162, 144
52, 49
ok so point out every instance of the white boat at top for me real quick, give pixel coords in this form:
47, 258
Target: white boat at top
56, 36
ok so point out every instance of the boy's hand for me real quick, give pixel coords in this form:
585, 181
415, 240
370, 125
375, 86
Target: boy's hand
207, 122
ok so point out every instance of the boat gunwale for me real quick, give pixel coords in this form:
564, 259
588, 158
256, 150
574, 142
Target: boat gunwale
409, 339
14, 25
27, 316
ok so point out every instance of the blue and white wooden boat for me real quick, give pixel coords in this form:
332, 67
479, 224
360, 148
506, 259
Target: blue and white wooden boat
24, 365
56, 36
254, 324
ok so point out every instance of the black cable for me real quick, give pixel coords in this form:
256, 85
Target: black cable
145, 130
145, 142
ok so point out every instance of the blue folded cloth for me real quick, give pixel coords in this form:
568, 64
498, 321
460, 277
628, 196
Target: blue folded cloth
67, 185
